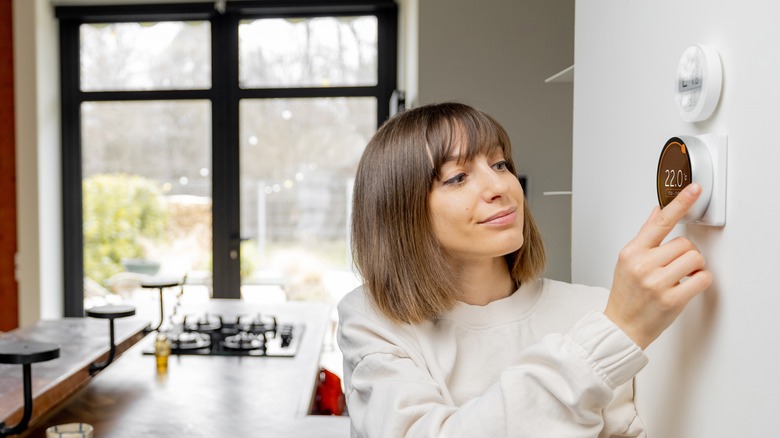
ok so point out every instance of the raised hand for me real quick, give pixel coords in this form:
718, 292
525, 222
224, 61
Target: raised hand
653, 280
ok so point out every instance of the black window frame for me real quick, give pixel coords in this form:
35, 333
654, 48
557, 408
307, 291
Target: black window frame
224, 95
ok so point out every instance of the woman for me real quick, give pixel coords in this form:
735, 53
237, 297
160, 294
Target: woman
453, 332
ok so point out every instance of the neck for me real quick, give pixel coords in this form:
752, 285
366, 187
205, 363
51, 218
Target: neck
486, 282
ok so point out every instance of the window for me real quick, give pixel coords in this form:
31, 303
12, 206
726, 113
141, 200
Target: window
220, 145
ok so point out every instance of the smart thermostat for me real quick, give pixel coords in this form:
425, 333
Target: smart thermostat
700, 159
698, 83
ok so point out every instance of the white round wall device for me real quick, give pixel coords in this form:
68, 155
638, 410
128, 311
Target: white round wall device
698, 82
685, 159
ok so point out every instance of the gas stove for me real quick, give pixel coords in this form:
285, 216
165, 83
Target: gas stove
247, 335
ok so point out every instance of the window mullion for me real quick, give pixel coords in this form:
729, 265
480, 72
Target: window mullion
225, 196
73, 234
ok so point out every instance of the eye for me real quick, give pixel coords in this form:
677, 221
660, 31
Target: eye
501, 165
457, 179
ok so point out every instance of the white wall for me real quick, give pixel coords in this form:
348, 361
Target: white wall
38, 180
714, 372
496, 54
408, 37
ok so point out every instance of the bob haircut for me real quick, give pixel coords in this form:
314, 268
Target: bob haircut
404, 268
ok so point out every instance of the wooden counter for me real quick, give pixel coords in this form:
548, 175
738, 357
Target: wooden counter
204, 396
82, 341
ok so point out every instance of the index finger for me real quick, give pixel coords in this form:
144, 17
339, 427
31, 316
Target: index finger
661, 222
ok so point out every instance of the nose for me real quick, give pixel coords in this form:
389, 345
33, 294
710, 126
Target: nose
493, 184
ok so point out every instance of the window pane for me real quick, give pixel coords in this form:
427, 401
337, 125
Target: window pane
145, 56
146, 191
308, 52
298, 161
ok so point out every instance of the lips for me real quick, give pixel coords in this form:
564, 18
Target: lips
501, 218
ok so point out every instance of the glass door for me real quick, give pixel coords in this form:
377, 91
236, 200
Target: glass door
298, 155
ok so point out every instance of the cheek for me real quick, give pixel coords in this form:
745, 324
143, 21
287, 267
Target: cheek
446, 216
437, 216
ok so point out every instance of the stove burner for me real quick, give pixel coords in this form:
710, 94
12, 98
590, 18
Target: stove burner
245, 341
204, 324
189, 341
258, 324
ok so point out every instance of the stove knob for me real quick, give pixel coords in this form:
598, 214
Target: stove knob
286, 339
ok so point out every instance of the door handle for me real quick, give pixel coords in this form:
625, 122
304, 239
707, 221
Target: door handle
233, 254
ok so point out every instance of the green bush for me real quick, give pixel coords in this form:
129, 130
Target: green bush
120, 212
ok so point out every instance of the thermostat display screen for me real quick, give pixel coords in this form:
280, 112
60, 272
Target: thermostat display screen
674, 171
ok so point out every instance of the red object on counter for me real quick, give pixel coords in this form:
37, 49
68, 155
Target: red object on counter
329, 398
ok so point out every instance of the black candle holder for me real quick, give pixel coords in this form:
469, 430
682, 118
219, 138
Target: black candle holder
25, 353
110, 312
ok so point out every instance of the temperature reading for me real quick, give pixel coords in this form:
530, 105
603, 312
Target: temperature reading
674, 170
675, 179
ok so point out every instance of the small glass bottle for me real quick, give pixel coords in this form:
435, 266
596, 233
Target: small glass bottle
162, 349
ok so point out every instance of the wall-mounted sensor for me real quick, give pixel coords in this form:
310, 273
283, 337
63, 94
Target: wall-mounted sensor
700, 159
698, 82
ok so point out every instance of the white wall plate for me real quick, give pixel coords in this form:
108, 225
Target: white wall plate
701, 159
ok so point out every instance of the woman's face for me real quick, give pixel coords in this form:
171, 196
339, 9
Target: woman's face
476, 208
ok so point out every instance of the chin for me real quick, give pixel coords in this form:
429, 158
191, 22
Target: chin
510, 248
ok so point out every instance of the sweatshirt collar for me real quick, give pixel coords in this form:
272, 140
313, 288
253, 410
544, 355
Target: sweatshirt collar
512, 308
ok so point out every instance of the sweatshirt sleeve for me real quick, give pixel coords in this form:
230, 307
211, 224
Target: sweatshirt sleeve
559, 387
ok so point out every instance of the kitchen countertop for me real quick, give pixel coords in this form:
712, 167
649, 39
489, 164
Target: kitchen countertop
204, 396
82, 341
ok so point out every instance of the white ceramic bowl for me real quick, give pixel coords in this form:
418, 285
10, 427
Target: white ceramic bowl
71, 430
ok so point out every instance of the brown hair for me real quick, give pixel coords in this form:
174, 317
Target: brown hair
404, 268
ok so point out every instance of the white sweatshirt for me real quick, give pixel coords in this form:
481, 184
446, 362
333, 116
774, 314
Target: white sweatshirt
543, 362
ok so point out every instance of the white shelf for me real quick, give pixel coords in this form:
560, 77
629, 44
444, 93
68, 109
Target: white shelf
566, 75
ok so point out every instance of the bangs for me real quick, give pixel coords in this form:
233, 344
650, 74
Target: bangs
465, 133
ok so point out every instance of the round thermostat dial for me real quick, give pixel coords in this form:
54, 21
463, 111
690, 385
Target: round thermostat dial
685, 159
698, 83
